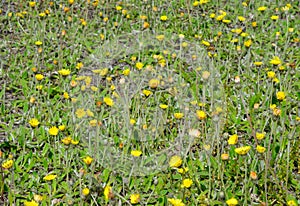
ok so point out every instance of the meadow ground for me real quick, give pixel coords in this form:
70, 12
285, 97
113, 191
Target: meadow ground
149, 102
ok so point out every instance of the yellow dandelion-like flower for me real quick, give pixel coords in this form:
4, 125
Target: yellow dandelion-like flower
187, 183
64, 72
126, 72
175, 161
38, 43
262, 8
66, 140
271, 74
7, 164
224, 156
164, 18
136, 153
108, 101
135, 198
53, 131
80, 113
274, 17
139, 65
74, 142
160, 37
248, 43
201, 114
88, 160
275, 60
178, 115
89, 113
34, 122
260, 149
291, 203
175, 202
153, 83
258, 63
31, 203
39, 77
132, 121
241, 18
183, 170
49, 177
242, 150
147, 92
233, 139
280, 95
205, 43
232, 202
32, 4
260, 136
163, 106
86, 191
108, 192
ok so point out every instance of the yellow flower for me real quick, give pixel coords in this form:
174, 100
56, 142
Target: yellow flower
271, 74
273, 106
160, 37
183, 170
227, 21
89, 113
212, 15
79, 65
53, 131
254, 24
258, 63
88, 160
233, 139
232, 202
147, 92
241, 18
132, 121
93, 123
275, 60
187, 183
291, 203
62, 127
225, 156
74, 142
66, 140
242, 150
108, 192
136, 153
178, 115
64, 72
34, 122
164, 18
38, 43
163, 106
262, 8
139, 65
175, 161
260, 136
248, 43
153, 83
126, 72
280, 95
108, 101
135, 198
201, 114
32, 4
176, 202
80, 113
39, 77
42, 14
7, 164
85, 191
277, 112
205, 43
31, 203
49, 177
274, 17
118, 8
260, 149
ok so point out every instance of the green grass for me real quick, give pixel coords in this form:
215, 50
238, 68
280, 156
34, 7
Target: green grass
202, 63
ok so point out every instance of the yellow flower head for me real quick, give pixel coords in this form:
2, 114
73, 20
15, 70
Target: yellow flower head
7, 164
38, 43
147, 92
64, 72
242, 150
248, 43
164, 18
108, 192
187, 183
163, 106
233, 139
88, 160
32, 4
175, 161
139, 65
34, 122
53, 131
232, 202
224, 156
262, 8
39, 77
260, 136
260, 149
49, 177
136, 153
108, 101
135, 198
175, 202
291, 203
271, 74
201, 114
153, 83
86, 191
80, 113
275, 60
280, 95
31, 203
